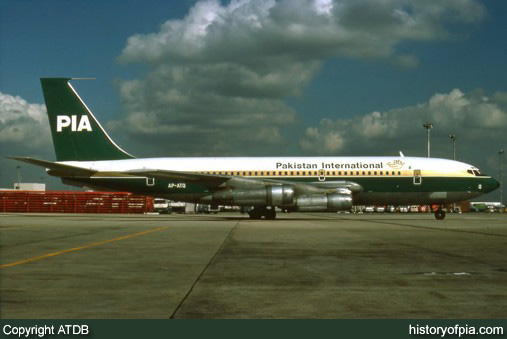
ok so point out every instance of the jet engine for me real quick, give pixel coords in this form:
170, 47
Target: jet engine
276, 195
332, 202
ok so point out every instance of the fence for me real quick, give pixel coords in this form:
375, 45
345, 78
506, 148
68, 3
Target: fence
73, 202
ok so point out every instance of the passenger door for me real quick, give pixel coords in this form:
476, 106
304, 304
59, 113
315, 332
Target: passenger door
417, 177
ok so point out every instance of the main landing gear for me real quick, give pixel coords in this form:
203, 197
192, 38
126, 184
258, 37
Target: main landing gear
268, 213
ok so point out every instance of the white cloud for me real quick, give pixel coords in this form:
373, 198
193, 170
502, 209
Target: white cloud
22, 123
224, 71
244, 30
476, 119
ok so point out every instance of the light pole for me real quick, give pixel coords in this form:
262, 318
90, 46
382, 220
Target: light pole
18, 174
428, 126
453, 138
501, 179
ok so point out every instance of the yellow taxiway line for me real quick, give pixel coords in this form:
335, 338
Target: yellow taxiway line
94, 244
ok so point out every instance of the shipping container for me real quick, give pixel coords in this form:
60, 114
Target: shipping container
74, 202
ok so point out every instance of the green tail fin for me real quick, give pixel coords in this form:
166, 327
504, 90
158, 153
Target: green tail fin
77, 135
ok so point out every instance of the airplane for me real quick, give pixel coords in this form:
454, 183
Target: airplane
87, 157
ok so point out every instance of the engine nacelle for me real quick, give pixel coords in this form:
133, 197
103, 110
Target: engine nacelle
324, 202
279, 195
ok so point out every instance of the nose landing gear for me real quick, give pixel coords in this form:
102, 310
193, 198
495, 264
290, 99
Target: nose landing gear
439, 212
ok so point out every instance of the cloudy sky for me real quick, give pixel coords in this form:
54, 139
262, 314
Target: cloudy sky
261, 77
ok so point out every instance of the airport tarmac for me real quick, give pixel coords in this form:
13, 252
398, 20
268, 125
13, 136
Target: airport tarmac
227, 266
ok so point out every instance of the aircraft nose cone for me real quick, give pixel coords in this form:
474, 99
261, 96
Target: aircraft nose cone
493, 185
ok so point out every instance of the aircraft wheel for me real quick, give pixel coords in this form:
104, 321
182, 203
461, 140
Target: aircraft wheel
440, 215
270, 214
255, 214
259, 212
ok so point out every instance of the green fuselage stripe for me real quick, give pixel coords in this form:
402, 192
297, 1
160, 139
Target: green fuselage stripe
369, 184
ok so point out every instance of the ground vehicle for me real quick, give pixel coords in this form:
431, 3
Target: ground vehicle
402, 209
207, 209
486, 206
161, 206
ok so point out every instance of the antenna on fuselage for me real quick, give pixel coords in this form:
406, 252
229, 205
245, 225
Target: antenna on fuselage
401, 154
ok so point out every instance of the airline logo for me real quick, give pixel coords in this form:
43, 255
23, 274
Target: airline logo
75, 122
396, 164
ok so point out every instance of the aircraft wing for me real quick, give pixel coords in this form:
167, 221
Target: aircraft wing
217, 181
207, 179
177, 175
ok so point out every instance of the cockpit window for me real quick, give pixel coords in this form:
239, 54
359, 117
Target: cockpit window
476, 172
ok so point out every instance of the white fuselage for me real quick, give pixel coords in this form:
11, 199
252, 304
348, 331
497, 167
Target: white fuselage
428, 166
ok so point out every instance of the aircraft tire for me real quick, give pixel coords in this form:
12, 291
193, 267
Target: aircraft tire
440, 215
259, 212
270, 214
255, 214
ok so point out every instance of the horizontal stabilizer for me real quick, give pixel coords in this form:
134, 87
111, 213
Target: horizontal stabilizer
67, 170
